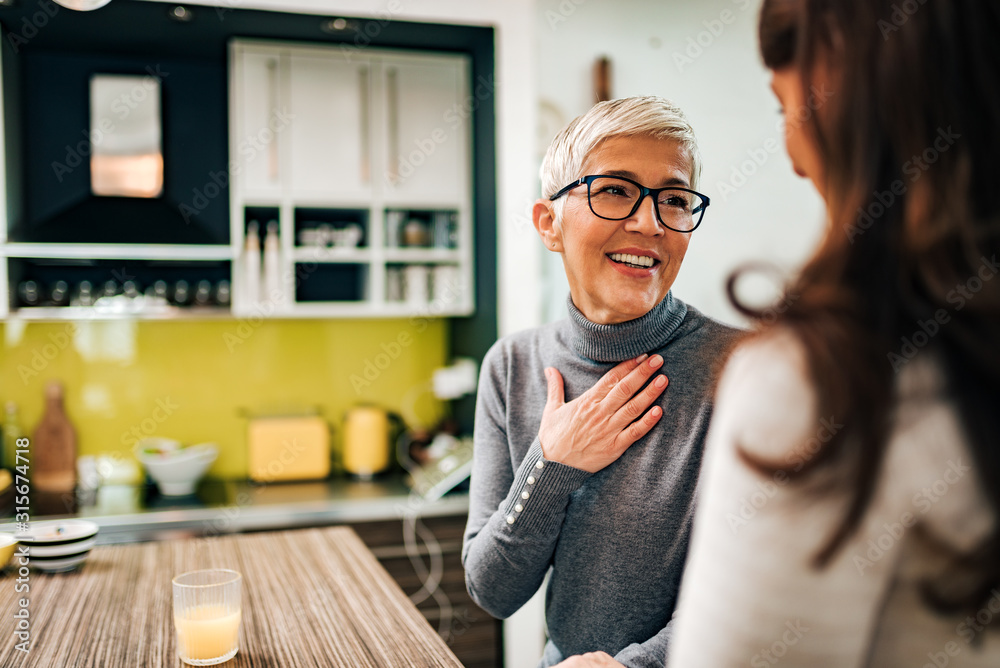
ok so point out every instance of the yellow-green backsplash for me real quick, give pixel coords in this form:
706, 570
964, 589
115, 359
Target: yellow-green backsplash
193, 380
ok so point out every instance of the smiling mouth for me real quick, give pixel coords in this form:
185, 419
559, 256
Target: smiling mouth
635, 261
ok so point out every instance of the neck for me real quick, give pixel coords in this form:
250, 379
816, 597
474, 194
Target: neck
621, 341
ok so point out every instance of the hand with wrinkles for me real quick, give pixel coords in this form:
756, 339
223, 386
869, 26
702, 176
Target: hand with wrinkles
594, 429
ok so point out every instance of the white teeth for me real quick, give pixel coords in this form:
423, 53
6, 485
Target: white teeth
638, 260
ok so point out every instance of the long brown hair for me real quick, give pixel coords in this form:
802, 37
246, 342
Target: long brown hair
909, 143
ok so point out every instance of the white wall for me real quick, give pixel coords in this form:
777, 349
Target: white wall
723, 88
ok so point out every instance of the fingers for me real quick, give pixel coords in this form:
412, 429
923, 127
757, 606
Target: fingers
640, 402
630, 384
554, 381
610, 380
639, 428
589, 660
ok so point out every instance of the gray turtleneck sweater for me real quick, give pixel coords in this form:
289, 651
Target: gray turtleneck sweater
615, 540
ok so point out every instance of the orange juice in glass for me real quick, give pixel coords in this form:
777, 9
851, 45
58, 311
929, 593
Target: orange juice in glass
207, 615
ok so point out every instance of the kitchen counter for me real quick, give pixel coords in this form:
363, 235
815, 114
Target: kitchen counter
129, 513
314, 597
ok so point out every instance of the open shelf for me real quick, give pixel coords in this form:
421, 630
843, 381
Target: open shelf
331, 283
78, 313
334, 255
422, 255
116, 251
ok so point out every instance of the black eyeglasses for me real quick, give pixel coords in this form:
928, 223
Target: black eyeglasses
618, 198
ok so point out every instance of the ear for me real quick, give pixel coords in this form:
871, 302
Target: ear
544, 219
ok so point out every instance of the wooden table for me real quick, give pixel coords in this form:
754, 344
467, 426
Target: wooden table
314, 597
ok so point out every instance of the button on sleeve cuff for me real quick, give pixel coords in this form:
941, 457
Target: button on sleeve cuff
538, 498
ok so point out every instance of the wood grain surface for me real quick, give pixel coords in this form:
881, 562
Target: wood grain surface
314, 597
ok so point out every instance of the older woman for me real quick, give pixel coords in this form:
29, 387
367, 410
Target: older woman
584, 462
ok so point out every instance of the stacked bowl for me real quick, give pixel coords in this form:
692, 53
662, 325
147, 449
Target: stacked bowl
59, 545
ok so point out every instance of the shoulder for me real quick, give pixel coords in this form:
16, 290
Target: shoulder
516, 348
706, 332
704, 344
766, 396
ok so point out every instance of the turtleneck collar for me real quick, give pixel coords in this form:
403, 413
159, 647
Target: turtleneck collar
624, 340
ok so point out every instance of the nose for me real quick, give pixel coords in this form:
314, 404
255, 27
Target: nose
644, 219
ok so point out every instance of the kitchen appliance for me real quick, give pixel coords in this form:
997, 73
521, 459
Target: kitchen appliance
288, 447
369, 432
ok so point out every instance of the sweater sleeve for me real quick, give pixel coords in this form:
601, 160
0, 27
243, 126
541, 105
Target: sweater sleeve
750, 594
652, 653
515, 514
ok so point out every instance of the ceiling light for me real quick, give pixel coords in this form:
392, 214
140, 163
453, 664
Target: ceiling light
181, 14
336, 25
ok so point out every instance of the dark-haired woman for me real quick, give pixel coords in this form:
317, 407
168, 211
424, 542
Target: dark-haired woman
852, 475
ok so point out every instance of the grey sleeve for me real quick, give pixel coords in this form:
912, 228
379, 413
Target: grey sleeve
514, 515
650, 654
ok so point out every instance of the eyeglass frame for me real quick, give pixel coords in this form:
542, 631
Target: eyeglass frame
643, 192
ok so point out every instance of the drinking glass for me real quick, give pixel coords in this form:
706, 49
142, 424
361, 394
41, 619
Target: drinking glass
207, 615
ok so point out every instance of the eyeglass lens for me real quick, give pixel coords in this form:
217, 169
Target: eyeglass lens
615, 198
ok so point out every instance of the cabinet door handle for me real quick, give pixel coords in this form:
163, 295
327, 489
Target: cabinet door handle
366, 131
392, 104
272, 95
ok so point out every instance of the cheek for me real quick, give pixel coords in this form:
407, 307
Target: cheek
677, 245
796, 148
586, 238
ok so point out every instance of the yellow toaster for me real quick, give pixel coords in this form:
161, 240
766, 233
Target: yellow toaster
288, 448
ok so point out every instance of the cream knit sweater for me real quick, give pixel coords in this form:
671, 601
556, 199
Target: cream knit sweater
749, 596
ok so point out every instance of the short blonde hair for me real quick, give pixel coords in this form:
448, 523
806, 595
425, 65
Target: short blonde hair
649, 115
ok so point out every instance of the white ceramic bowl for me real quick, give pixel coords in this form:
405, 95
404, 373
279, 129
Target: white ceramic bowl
60, 545
159, 444
176, 472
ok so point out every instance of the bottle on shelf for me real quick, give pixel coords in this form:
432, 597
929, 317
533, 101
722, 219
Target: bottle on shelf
131, 289
11, 432
272, 264
84, 294
251, 265
203, 293
29, 293
394, 284
445, 229
394, 227
59, 296
182, 293
223, 293
157, 290
53, 464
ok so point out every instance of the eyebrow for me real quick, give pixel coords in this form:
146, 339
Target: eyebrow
675, 181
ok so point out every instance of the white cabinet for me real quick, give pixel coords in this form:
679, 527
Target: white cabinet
260, 119
367, 169
330, 130
426, 161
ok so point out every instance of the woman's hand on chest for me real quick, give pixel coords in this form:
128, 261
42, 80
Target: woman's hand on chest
593, 430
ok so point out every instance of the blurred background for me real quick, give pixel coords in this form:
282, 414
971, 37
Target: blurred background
289, 230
